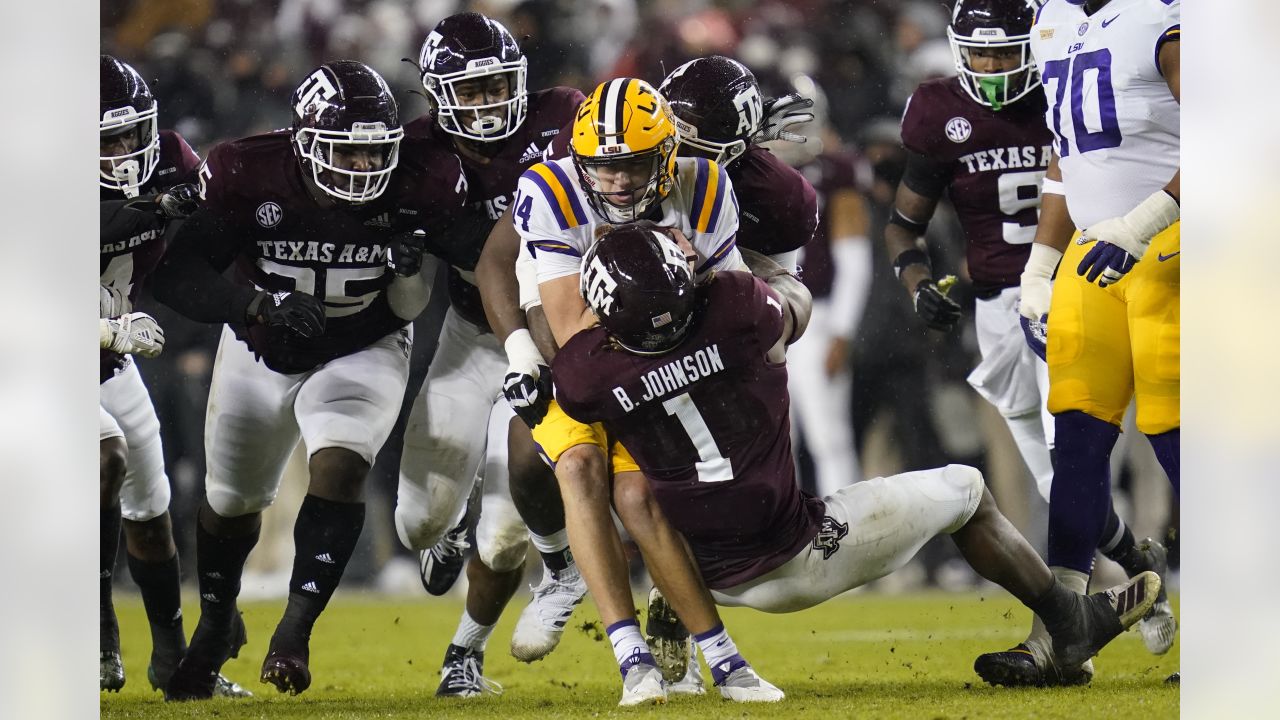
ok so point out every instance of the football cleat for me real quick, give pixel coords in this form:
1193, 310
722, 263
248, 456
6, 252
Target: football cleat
667, 638
222, 685
442, 564
462, 675
691, 683
1016, 667
285, 666
190, 682
642, 684
542, 623
1159, 626
739, 682
110, 672
1104, 616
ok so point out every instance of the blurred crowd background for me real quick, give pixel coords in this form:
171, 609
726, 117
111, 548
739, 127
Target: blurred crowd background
223, 69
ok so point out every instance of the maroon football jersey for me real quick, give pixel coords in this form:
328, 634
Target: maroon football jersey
829, 173
997, 160
778, 209
131, 241
284, 239
545, 134
707, 423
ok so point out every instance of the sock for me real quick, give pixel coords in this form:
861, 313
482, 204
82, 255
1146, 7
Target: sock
1056, 606
1119, 546
554, 549
1168, 449
1081, 489
324, 537
160, 584
471, 634
719, 651
219, 565
108, 546
629, 647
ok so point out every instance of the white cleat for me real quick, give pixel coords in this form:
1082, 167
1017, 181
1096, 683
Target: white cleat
642, 685
691, 683
1158, 628
745, 685
542, 623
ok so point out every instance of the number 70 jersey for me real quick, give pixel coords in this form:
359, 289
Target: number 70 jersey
1114, 120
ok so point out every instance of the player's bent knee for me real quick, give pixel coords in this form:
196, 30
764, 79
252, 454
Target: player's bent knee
231, 503
505, 554
419, 530
582, 468
969, 486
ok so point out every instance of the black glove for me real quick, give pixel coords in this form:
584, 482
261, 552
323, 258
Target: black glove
179, 201
528, 395
936, 309
298, 312
405, 257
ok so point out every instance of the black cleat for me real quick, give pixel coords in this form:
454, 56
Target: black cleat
440, 566
1015, 667
286, 665
110, 672
1174, 679
197, 676
190, 682
667, 638
1102, 617
462, 675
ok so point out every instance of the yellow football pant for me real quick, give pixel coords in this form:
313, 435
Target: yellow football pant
1106, 345
558, 432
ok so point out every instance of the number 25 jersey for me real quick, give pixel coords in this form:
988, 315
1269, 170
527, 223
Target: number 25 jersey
1115, 123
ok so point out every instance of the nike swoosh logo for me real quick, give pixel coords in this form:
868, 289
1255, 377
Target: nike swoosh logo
1162, 257
1108, 22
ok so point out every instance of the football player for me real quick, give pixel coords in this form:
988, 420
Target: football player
315, 345
691, 377
145, 175
981, 138
475, 74
1110, 214
622, 168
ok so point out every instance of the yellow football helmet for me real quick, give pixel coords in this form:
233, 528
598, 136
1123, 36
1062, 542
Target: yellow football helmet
624, 148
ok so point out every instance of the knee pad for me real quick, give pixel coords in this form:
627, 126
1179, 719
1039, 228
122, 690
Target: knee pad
502, 537
969, 484
419, 530
230, 502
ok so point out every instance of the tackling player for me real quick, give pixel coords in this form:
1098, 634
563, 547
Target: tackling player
623, 168
692, 379
145, 174
475, 74
315, 345
1111, 74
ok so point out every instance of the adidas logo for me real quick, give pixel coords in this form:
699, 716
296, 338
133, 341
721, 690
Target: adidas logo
382, 220
210, 597
177, 615
215, 575
532, 152
324, 558
104, 574
311, 587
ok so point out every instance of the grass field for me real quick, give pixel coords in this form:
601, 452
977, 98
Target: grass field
864, 655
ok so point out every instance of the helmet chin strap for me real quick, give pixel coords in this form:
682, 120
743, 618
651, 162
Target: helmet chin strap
127, 172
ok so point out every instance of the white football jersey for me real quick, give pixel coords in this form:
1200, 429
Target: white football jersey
557, 224
1115, 123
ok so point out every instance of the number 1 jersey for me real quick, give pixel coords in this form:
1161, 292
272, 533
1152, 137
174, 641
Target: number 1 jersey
1116, 124
707, 423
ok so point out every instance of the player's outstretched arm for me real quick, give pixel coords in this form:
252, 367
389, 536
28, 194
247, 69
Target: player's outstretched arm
796, 299
917, 197
189, 277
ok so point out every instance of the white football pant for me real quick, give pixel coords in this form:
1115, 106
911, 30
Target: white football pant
126, 411
255, 415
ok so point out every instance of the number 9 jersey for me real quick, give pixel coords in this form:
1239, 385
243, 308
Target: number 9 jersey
1116, 125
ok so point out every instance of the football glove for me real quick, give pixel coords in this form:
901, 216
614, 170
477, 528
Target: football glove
132, 334
780, 114
933, 306
1037, 281
1122, 241
299, 312
527, 385
1036, 332
179, 201
112, 302
405, 257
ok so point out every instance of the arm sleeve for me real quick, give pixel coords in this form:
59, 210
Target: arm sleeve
925, 176
189, 278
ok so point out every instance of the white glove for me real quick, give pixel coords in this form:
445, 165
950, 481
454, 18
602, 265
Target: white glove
112, 302
1037, 277
132, 334
1133, 231
780, 114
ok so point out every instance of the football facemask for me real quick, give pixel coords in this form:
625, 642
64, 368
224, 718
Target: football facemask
347, 184
129, 171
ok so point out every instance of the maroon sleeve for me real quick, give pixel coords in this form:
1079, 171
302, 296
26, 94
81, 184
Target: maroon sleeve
574, 378
566, 101
217, 178
185, 159
438, 185
917, 133
760, 319
779, 208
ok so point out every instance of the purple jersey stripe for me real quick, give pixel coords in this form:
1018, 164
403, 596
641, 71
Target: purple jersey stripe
550, 196
579, 217
1173, 33
725, 248
699, 192
715, 208
554, 246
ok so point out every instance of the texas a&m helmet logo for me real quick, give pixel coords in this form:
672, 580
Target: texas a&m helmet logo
598, 287
317, 89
